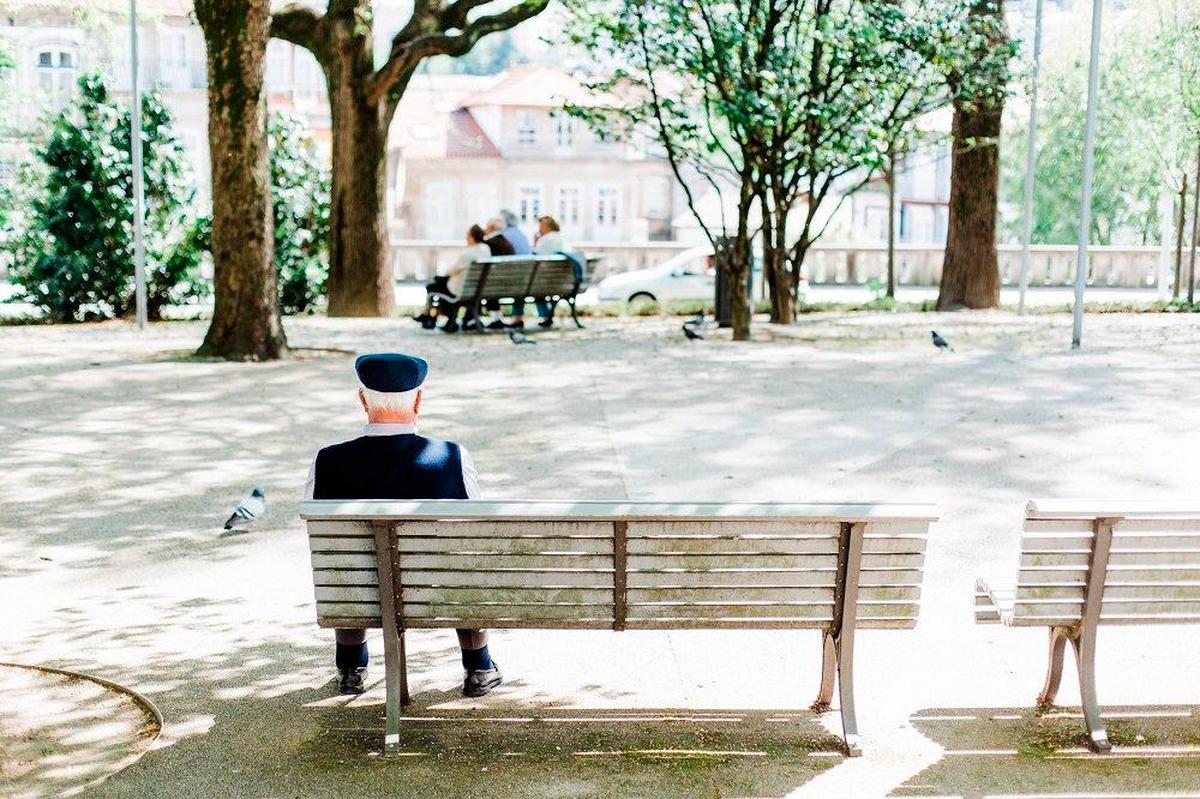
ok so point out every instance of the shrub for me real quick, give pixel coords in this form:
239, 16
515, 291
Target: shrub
300, 200
75, 254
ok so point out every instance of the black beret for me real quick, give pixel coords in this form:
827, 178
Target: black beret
391, 371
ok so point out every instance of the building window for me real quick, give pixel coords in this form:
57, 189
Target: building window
570, 205
564, 129
526, 129
56, 69
529, 203
607, 200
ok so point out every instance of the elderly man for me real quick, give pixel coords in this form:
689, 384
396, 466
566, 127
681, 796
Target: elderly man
390, 461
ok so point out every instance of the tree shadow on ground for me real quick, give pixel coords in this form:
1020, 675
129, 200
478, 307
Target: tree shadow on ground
1021, 751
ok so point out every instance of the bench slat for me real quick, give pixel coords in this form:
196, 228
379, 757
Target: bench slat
343, 560
342, 543
533, 610
458, 562
766, 545
349, 609
709, 562
643, 595
454, 595
516, 578
348, 593
345, 577
487, 528
410, 545
818, 611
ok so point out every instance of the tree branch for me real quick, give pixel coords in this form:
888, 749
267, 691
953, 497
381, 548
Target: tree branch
406, 55
299, 25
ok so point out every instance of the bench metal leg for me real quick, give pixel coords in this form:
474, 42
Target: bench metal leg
828, 673
574, 316
845, 668
1058, 645
1085, 658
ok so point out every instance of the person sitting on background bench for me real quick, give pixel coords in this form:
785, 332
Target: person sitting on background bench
549, 241
390, 461
449, 282
499, 244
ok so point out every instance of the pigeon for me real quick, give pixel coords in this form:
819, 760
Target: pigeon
248, 511
519, 338
696, 321
940, 342
691, 334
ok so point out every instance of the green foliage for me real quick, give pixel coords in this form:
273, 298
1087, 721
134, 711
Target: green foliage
75, 255
300, 200
1146, 133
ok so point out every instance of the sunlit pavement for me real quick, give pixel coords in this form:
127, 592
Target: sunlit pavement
122, 456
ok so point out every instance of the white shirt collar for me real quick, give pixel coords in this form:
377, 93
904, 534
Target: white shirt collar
388, 429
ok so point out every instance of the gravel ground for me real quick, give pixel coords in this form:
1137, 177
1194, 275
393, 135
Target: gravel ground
122, 456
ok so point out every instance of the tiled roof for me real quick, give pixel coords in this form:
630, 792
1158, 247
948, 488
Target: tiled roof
532, 85
465, 139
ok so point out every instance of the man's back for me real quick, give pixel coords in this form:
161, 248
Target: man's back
405, 466
499, 245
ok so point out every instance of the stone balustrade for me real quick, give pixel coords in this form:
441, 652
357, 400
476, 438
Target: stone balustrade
836, 264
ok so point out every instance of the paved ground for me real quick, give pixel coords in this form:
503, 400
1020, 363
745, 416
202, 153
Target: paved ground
60, 733
122, 455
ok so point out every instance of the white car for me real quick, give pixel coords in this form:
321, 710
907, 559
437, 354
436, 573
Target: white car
690, 275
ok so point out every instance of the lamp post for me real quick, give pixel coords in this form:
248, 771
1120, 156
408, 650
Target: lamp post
1089, 145
1030, 156
135, 139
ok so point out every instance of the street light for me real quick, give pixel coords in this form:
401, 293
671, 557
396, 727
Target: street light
135, 139
1030, 156
1089, 145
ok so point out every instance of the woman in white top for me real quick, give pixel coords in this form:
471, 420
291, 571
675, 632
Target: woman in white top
549, 241
449, 282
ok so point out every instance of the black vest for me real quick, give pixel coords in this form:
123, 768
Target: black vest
390, 467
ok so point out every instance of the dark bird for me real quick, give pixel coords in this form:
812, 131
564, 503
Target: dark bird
940, 342
691, 334
519, 338
696, 321
249, 511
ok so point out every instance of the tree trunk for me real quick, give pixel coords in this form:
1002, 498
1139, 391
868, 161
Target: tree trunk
783, 309
1179, 236
1191, 296
246, 324
970, 269
360, 275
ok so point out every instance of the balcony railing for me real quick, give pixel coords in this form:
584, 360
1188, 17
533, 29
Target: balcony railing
836, 264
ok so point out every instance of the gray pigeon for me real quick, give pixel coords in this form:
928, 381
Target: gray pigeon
249, 511
940, 342
691, 334
519, 338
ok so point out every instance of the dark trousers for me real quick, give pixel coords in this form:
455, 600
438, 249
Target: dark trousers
467, 639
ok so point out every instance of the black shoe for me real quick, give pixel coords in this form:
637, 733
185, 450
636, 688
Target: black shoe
546, 323
422, 318
473, 324
496, 324
351, 680
428, 323
481, 681
449, 327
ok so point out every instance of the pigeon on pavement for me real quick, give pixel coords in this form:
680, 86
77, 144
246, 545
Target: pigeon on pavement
940, 342
248, 511
691, 334
519, 338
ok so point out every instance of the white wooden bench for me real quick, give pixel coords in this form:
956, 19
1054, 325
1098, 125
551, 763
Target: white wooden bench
1087, 563
618, 566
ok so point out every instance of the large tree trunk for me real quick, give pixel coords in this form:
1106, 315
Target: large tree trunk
970, 270
783, 293
360, 276
246, 323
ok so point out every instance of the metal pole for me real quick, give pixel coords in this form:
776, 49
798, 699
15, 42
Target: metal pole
1089, 145
135, 138
1030, 156
1191, 295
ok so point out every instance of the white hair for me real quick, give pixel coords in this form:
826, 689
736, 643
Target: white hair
498, 222
389, 401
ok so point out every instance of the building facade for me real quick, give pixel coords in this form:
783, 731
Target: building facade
463, 149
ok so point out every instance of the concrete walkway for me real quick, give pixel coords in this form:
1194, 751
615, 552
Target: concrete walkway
122, 455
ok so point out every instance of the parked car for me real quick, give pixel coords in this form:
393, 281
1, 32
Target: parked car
689, 275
